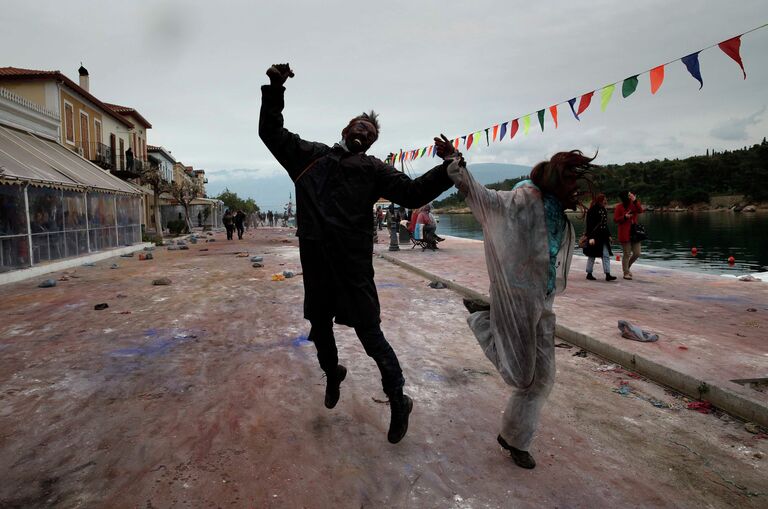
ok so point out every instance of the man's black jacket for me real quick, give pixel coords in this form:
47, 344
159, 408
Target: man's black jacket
335, 194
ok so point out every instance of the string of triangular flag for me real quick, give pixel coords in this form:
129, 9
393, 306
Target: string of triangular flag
496, 133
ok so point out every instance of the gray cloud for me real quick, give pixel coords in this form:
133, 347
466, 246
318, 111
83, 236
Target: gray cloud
736, 128
193, 68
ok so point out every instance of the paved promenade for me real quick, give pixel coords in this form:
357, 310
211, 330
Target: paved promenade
205, 393
712, 329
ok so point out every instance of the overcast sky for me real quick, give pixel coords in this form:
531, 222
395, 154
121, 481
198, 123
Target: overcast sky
194, 68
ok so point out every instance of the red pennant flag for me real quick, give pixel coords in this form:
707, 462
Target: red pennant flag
470, 139
731, 48
456, 144
553, 112
495, 131
584, 102
657, 78
429, 151
513, 128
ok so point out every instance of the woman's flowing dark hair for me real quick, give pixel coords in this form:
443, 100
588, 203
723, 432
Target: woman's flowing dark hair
548, 175
624, 197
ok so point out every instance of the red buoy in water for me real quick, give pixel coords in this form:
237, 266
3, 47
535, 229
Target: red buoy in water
731, 260
694, 251
618, 258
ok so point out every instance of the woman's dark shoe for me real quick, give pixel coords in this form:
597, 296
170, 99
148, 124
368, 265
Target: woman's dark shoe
591, 277
332, 384
608, 277
473, 306
400, 406
522, 459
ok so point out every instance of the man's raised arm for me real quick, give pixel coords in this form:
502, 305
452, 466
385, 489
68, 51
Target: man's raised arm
293, 153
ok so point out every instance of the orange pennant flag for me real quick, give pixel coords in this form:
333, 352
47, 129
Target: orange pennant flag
495, 131
553, 111
657, 78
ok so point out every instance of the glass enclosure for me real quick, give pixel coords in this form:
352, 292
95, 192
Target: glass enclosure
63, 223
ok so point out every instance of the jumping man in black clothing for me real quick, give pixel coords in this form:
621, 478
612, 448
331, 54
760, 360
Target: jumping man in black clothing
336, 188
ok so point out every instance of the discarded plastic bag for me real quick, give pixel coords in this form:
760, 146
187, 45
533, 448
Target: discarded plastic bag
278, 277
635, 333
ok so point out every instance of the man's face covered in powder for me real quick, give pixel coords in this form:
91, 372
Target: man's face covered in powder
359, 135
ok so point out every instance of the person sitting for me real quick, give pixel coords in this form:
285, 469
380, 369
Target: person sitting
430, 224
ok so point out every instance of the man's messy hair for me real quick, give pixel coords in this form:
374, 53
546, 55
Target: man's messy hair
371, 117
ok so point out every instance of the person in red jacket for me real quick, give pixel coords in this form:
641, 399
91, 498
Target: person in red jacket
625, 215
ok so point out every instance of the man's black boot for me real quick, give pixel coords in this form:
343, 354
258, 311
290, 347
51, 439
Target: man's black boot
473, 306
591, 277
333, 381
522, 459
400, 405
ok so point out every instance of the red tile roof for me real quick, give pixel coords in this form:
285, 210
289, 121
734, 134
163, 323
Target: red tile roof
127, 110
18, 74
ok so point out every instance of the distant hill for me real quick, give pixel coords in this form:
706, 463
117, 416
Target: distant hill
675, 182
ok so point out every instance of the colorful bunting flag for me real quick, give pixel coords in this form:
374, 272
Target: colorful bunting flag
584, 102
605, 96
513, 128
503, 131
553, 112
731, 48
692, 64
657, 78
629, 86
571, 103
478, 137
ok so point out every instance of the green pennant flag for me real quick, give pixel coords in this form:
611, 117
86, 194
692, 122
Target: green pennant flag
540, 113
478, 137
629, 86
422, 152
605, 96
526, 123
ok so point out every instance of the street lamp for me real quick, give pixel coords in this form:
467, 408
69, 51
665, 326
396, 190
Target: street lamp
394, 243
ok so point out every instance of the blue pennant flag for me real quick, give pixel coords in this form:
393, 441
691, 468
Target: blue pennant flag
692, 64
571, 102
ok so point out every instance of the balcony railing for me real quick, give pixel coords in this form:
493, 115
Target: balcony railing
129, 168
101, 155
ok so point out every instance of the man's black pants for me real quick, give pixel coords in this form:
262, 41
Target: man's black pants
375, 344
240, 230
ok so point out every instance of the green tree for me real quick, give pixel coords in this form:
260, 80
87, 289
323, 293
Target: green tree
233, 202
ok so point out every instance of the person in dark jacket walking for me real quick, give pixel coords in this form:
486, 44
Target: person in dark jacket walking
336, 188
598, 238
239, 223
229, 223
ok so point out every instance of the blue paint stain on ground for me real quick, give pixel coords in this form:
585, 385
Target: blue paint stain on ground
388, 285
161, 343
301, 340
431, 376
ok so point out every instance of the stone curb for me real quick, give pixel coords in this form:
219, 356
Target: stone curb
731, 401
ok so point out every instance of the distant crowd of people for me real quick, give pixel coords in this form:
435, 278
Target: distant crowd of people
238, 221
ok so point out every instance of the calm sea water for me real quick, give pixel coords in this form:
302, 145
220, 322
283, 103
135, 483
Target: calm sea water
716, 235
